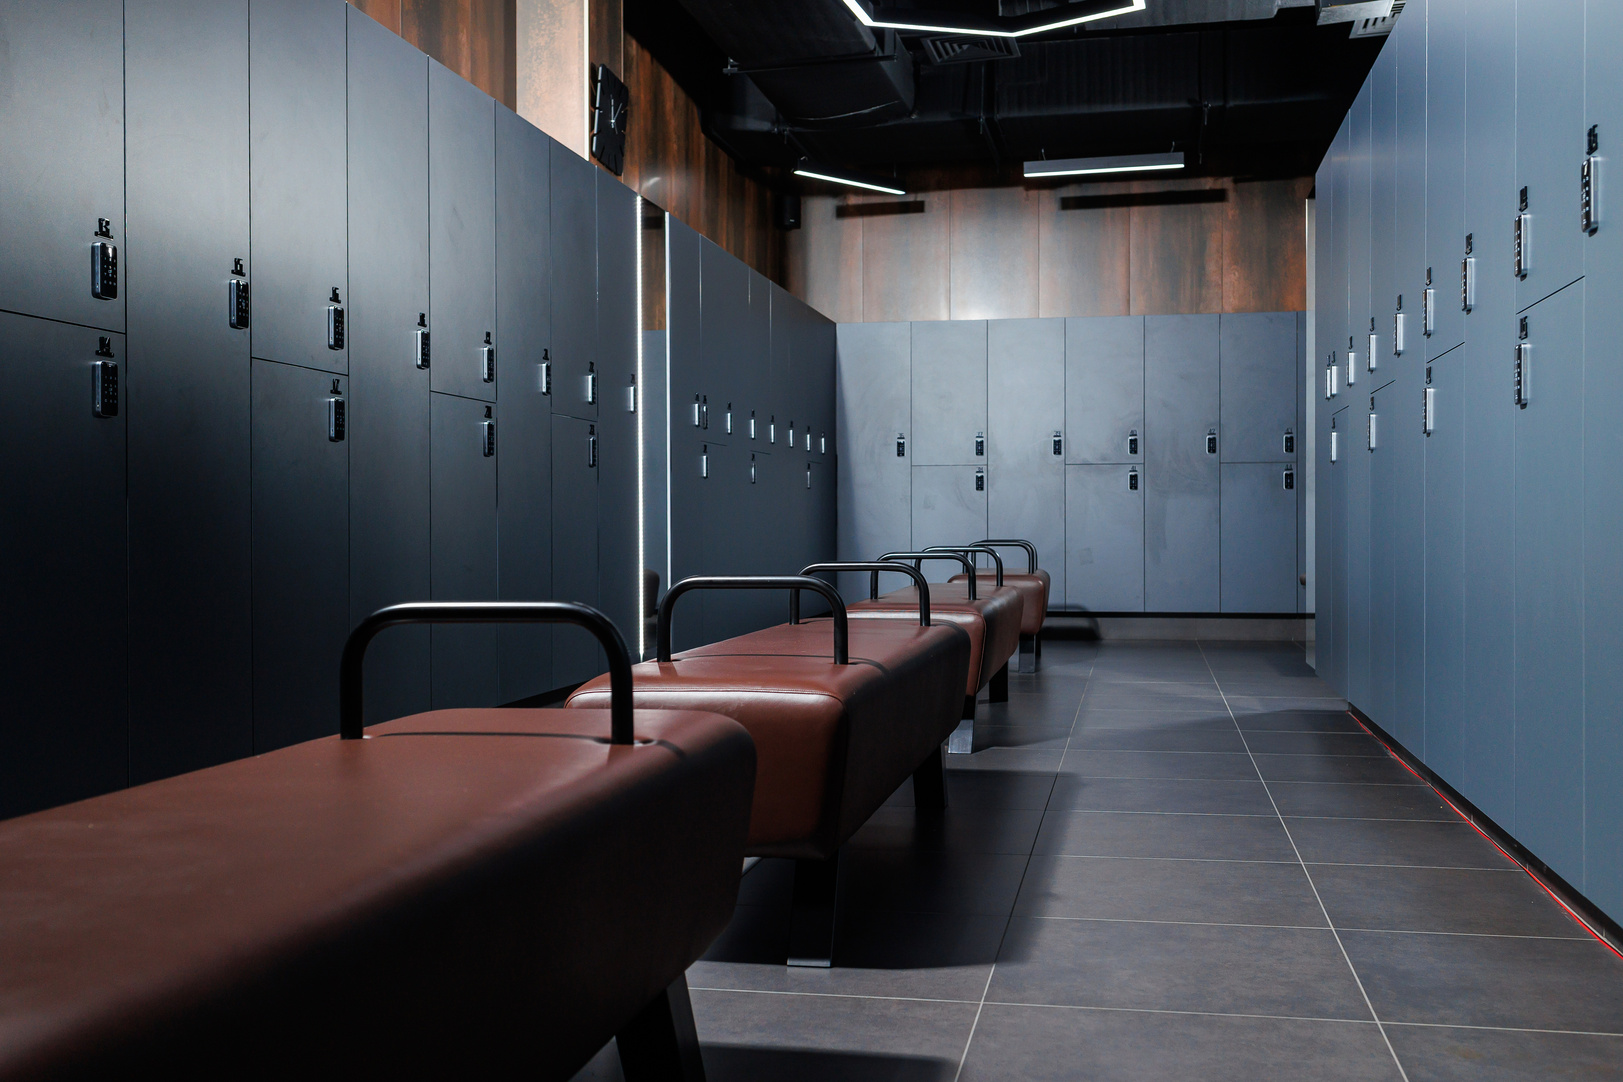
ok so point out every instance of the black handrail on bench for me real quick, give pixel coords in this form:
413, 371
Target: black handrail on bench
350, 668
1015, 542
967, 549
918, 559
792, 583
876, 567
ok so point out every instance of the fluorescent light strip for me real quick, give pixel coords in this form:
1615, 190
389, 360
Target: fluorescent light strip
847, 180
1125, 163
1103, 169
641, 396
869, 21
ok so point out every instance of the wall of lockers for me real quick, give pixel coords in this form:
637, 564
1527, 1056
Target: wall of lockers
1153, 460
1470, 505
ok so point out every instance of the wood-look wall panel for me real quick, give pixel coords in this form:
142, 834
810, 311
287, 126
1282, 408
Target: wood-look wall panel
1265, 246
474, 38
906, 261
994, 233
1083, 264
386, 12
1177, 254
606, 35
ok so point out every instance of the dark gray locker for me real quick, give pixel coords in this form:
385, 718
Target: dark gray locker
620, 588
190, 519
736, 513
653, 406
695, 474
724, 364
300, 550
66, 665
1387, 406
1104, 539
1383, 279
575, 655
389, 409
465, 449
1445, 167
1301, 461
1025, 361
61, 158
1259, 537
1409, 558
1445, 578
1257, 365
462, 235
574, 284
296, 126
873, 365
949, 508
1330, 621
1550, 588
1550, 142
684, 257
1104, 389
524, 328
1332, 609
1408, 44
753, 386
949, 393
1357, 384
1181, 456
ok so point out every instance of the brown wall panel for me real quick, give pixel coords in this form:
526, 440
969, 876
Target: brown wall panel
906, 257
1083, 262
474, 38
1177, 252
606, 35
995, 252
386, 12
1265, 241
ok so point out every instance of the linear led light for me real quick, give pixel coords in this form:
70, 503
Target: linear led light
1121, 163
842, 176
945, 23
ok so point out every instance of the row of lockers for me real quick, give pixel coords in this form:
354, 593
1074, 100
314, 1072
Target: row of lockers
1470, 520
1151, 459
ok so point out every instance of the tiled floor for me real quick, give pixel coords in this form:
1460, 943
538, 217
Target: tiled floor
1167, 861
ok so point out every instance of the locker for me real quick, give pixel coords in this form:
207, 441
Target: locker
1330, 621
524, 327
66, 730
1259, 537
1180, 482
1445, 167
1445, 579
1549, 143
752, 370
684, 258
464, 547
1384, 469
574, 284
1409, 556
949, 393
1300, 460
389, 418
1026, 409
189, 512
948, 509
620, 586
724, 363
1383, 279
1257, 366
873, 365
1104, 539
1330, 602
575, 655
654, 404
1549, 589
1408, 46
733, 512
1104, 389
300, 550
296, 127
61, 159
462, 235
1356, 480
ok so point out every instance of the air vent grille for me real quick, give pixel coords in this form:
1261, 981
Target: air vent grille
1378, 25
964, 49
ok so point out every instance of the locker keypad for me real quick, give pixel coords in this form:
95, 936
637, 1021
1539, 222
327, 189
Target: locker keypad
980, 479
980, 445
489, 442
1132, 480
1211, 441
1290, 480
420, 347
1132, 442
237, 304
901, 445
1521, 261
104, 270
1589, 186
335, 420
104, 388
1059, 444
335, 326
1290, 441
487, 360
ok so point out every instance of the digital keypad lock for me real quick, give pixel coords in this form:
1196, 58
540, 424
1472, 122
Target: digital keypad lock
104, 270
901, 445
104, 381
980, 445
980, 480
1132, 442
752, 469
1290, 442
1132, 480
1211, 441
1059, 444
591, 447
420, 344
591, 384
487, 361
546, 372
1289, 480
729, 419
337, 420
237, 307
488, 441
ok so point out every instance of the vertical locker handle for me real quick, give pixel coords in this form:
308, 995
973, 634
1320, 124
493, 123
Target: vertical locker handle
631, 395
591, 447
695, 411
704, 461
729, 419
420, 343
335, 321
1352, 362
591, 383
546, 372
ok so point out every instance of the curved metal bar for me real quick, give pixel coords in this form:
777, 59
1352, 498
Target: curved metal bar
350, 668
918, 559
1014, 542
792, 583
875, 567
967, 549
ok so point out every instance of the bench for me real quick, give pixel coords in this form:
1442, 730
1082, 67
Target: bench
1034, 585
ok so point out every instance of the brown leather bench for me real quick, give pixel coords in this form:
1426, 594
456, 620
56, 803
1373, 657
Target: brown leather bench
1033, 584
462, 893
842, 712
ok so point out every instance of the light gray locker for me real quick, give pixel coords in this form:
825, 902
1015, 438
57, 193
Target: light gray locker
1408, 46
1356, 534
1181, 454
575, 654
62, 159
1384, 285
620, 585
63, 577
1445, 573
653, 404
873, 361
466, 442
297, 128
949, 508
573, 244
1330, 609
300, 550
1104, 389
462, 235
1409, 558
1387, 405
1259, 537
949, 393
1257, 364
1104, 539
1445, 167
1026, 411
1550, 142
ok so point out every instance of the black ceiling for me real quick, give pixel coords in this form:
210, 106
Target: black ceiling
779, 80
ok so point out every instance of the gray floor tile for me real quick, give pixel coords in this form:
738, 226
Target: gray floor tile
1181, 967
1011, 830
1165, 738
1195, 698
950, 882
1163, 795
1505, 902
1228, 766
1315, 743
1206, 891
1005, 760
1032, 737
1259, 685
1090, 718
1361, 801
1271, 704
987, 790
1298, 721
1446, 1054
1134, 834
1342, 768
1371, 841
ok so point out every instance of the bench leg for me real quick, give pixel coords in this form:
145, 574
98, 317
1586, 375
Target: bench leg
969, 709
962, 740
811, 921
1028, 653
998, 691
661, 1042
930, 781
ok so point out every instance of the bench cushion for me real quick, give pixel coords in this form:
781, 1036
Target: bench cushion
1033, 587
992, 621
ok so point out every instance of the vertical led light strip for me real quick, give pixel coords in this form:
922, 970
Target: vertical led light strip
640, 391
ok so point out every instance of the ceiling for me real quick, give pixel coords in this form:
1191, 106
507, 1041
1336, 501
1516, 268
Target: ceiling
1243, 87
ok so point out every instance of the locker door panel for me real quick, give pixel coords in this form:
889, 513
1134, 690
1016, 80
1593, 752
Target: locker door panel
64, 573
1180, 481
728, 507
524, 328
1408, 43
61, 158
389, 423
1025, 408
947, 510
682, 298
754, 383
724, 365
575, 655
1104, 388
464, 549
620, 587
1257, 363
462, 232
1259, 538
948, 392
1445, 580
1409, 559
873, 364
574, 282
1383, 279
1549, 141
190, 517
1445, 166
1104, 539
1388, 406
296, 123
300, 552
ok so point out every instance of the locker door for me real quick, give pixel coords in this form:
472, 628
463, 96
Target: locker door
1445, 166
296, 126
1257, 365
1330, 616
730, 506
1104, 388
1549, 141
693, 471
754, 387
1104, 539
1180, 482
947, 510
1388, 406
190, 518
301, 551
948, 392
1025, 408
724, 365
462, 233
389, 419
61, 158
1356, 479
1549, 588
1301, 461
1445, 579
64, 573
574, 283
873, 363
464, 547
620, 589
1259, 537
575, 655
682, 315
1409, 558
1383, 279
524, 327
1408, 43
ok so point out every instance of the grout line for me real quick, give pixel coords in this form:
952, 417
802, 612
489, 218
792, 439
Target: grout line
827, 995
1313, 886
1258, 860
1301, 928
